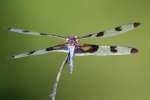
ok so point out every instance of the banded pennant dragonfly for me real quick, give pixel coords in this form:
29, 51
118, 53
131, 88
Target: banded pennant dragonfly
73, 48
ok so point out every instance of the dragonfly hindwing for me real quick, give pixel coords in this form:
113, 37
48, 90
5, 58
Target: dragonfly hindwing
89, 49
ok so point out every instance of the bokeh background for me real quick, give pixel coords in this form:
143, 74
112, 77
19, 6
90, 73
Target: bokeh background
94, 78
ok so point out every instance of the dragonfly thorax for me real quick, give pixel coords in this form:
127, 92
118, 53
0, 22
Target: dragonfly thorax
72, 40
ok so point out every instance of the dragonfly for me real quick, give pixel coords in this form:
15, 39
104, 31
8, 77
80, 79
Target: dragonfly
73, 47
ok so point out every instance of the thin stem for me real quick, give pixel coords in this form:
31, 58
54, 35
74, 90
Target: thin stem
54, 88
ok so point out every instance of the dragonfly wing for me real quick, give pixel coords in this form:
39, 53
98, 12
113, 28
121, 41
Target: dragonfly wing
27, 32
113, 31
57, 48
89, 49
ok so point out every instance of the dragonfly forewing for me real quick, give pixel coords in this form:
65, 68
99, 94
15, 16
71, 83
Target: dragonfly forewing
27, 32
113, 31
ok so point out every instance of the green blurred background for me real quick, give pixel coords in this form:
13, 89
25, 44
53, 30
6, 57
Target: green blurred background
94, 78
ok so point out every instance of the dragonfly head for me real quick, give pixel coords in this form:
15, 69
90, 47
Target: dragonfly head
72, 40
